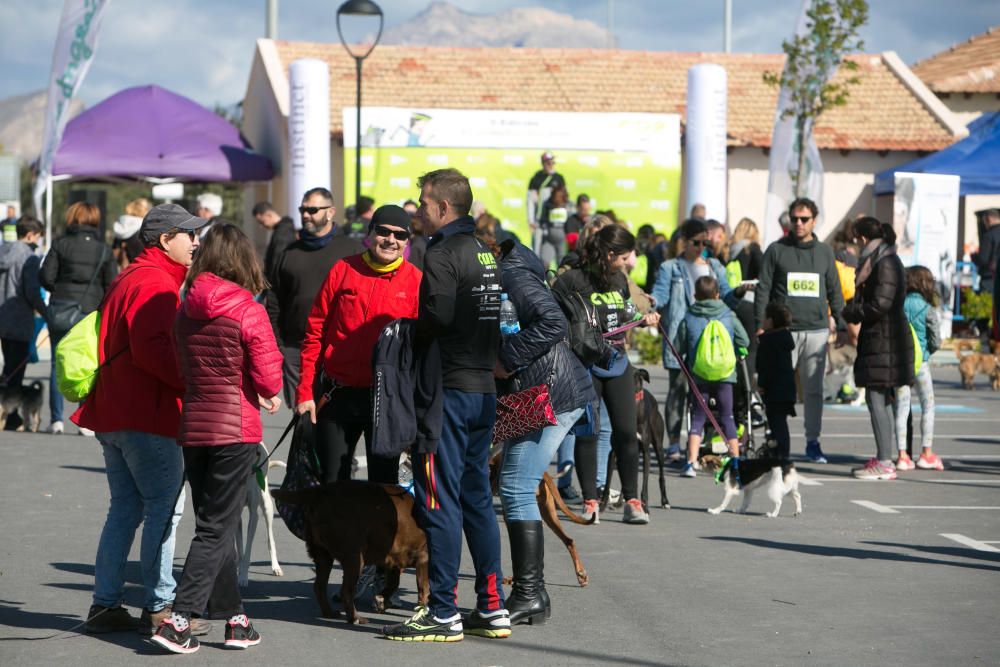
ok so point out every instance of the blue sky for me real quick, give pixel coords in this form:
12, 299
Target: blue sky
203, 48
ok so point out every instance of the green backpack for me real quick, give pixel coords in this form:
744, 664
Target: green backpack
77, 358
715, 356
734, 273
918, 352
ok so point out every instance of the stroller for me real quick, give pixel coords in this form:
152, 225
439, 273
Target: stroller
748, 409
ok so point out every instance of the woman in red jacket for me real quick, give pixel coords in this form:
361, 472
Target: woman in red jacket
231, 368
361, 295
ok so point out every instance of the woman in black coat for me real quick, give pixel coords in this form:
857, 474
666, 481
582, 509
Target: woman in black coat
537, 354
77, 270
885, 343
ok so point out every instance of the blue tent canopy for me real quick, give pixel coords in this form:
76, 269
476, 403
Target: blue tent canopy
975, 159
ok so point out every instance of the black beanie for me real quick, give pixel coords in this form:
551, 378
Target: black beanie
391, 215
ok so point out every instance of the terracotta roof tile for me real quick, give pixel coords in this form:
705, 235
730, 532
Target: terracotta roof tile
882, 114
970, 67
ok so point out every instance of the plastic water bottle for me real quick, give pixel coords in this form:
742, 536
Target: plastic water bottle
508, 317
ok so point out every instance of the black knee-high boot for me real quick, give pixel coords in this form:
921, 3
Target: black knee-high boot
526, 602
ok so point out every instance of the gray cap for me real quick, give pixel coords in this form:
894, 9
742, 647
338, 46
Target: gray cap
166, 218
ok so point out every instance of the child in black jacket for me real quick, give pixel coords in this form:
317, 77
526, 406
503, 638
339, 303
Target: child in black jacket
776, 375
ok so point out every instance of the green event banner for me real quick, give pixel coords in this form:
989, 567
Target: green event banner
632, 184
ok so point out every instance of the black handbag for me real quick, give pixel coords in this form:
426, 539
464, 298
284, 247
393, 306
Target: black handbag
61, 314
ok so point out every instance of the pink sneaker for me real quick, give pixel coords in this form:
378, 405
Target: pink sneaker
904, 462
930, 462
875, 470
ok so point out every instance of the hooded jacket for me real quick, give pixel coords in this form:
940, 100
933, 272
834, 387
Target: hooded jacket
20, 296
73, 261
539, 352
352, 307
885, 343
227, 356
140, 388
694, 323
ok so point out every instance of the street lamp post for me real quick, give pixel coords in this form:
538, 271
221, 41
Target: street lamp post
359, 8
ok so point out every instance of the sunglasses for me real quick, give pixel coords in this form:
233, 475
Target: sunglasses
401, 235
699, 244
191, 234
312, 210
801, 218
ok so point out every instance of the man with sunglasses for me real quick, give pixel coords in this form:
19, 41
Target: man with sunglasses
801, 272
359, 297
299, 273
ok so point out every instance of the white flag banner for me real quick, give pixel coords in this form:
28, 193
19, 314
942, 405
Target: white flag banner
783, 162
71, 58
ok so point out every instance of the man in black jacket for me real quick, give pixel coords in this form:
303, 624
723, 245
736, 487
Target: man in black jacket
299, 273
282, 230
459, 307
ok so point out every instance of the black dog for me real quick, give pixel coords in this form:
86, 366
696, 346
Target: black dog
650, 429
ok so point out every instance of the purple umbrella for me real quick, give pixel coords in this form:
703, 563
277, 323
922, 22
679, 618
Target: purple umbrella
151, 132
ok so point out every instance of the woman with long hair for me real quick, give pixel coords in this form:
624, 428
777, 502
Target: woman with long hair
885, 343
743, 261
77, 271
231, 367
602, 285
674, 294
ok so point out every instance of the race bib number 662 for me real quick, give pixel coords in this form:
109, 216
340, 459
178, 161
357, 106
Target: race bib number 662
803, 285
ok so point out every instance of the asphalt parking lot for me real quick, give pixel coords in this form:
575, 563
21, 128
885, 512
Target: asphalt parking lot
872, 573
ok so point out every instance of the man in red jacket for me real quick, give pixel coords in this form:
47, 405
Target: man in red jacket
361, 295
135, 410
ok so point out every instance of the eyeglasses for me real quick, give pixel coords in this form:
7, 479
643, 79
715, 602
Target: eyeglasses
699, 244
401, 235
312, 210
801, 218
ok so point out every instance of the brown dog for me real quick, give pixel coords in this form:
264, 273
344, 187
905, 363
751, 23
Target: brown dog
357, 523
548, 499
973, 364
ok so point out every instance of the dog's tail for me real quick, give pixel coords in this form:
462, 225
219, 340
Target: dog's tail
276, 464
550, 486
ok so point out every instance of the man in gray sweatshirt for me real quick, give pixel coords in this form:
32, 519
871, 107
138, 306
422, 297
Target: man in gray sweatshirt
800, 272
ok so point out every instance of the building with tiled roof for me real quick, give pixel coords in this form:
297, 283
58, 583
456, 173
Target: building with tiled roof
891, 117
966, 77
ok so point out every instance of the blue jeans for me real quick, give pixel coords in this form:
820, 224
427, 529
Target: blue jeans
524, 462
55, 398
146, 478
603, 445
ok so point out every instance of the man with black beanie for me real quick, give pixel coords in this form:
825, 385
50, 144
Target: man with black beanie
298, 274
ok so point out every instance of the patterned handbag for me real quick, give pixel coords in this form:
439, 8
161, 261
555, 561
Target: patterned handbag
523, 412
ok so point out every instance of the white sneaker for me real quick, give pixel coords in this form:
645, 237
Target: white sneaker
56, 428
87, 432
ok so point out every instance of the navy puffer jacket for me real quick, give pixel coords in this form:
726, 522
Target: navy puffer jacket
539, 352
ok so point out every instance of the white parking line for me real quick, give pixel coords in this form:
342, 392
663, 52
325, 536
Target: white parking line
808, 481
969, 542
881, 509
985, 439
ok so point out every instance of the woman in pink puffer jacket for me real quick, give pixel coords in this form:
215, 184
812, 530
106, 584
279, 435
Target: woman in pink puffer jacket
231, 368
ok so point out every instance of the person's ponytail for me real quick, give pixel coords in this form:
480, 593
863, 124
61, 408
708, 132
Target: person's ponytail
888, 234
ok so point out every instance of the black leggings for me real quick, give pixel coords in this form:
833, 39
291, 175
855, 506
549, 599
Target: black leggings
619, 395
339, 426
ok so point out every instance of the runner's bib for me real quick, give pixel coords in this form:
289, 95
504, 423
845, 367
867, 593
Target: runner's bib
805, 285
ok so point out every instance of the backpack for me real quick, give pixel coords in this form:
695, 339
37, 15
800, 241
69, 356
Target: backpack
846, 274
585, 336
918, 352
78, 358
715, 356
734, 273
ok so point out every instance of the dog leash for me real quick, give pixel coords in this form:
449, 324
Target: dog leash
24, 361
258, 469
